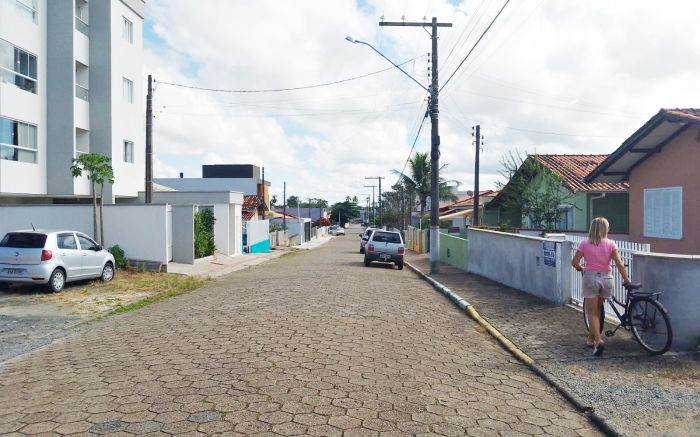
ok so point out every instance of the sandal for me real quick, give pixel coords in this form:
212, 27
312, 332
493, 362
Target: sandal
598, 349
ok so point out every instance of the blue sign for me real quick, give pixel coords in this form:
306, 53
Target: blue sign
549, 248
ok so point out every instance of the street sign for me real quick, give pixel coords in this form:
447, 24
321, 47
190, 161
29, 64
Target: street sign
549, 248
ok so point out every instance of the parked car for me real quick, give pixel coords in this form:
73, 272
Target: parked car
52, 258
385, 246
340, 230
364, 237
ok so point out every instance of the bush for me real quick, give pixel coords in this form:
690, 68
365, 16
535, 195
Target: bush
119, 256
204, 233
322, 221
274, 227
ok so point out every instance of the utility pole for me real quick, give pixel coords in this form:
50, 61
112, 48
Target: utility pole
434, 140
477, 134
374, 212
284, 206
379, 178
149, 141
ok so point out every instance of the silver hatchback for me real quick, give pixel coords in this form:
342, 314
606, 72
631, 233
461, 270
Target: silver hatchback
52, 258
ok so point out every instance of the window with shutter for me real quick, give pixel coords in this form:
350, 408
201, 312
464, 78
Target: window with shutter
663, 212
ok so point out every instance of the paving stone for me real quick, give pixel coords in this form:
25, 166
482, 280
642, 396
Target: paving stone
109, 427
285, 348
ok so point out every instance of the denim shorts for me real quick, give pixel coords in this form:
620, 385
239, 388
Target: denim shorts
598, 284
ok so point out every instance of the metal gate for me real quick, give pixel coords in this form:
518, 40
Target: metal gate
625, 248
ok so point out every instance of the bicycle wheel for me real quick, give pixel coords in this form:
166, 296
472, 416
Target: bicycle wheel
601, 315
650, 325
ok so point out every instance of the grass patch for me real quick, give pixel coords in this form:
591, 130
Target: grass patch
168, 285
128, 291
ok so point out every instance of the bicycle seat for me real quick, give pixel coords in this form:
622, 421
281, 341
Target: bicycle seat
631, 286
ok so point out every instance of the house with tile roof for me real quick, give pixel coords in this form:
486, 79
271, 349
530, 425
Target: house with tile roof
460, 213
660, 161
585, 199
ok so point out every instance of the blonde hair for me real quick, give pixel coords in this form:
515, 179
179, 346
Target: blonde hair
599, 230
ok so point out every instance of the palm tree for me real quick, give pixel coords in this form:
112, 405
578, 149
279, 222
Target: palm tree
418, 180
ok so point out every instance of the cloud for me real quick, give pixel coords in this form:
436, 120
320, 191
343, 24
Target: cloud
549, 76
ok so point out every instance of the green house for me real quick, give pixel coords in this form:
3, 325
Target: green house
584, 201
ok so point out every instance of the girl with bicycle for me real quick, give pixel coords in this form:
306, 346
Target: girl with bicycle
597, 251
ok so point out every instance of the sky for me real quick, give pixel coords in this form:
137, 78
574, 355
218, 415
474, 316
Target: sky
548, 77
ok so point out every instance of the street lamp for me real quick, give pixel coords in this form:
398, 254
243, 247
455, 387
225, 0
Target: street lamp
434, 92
357, 41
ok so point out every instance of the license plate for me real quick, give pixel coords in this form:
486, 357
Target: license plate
14, 271
385, 257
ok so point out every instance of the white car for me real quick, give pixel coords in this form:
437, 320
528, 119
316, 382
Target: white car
336, 230
52, 258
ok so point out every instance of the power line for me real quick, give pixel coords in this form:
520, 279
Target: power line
475, 44
415, 140
273, 90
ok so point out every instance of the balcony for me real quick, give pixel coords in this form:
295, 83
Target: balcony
82, 93
82, 27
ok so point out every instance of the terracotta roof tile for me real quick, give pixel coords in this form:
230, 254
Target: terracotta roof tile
690, 114
469, 201
251, 202
574, 168
248, 215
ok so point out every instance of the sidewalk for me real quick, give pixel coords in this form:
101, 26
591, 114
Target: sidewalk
636, 393
219, 265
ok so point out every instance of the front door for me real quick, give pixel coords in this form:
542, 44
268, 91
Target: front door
70, 254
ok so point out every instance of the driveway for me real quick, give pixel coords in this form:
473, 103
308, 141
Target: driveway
311, 343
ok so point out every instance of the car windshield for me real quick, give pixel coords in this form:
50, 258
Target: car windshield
386, 237
23, 240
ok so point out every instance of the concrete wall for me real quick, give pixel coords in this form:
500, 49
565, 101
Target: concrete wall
245, 186
677, 277
183, 230
518, 261
258, 236
141, 230
676, 165
453, 251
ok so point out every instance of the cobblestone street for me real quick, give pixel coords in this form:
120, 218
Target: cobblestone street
312, 343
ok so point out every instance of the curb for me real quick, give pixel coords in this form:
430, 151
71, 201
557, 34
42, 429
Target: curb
587, 410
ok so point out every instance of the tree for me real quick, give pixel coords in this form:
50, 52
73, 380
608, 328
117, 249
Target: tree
273, 201
98, 170
532, 190
344, 211
417, 181
292, 201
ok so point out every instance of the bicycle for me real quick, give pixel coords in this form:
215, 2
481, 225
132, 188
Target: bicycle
644, 315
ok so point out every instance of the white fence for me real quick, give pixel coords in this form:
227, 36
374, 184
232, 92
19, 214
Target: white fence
625, 249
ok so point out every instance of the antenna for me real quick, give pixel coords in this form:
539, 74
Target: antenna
33, 228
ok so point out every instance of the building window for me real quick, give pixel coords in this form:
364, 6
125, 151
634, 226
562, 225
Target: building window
663, 212
128, 90
128, 151
18, 141
17, 66
27, 8
128, 30
566, 218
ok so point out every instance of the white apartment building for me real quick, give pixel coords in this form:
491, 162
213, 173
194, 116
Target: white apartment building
70, 83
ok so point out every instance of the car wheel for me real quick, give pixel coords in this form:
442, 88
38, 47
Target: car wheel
4, 286
400, 265
107, 272
57, 281
367, 262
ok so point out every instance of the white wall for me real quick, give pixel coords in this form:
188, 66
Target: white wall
141, 230
128, 119
21, 177
676, 276
518, 261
